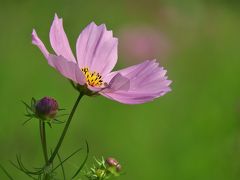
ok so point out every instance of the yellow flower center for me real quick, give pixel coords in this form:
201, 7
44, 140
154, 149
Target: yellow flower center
93, 79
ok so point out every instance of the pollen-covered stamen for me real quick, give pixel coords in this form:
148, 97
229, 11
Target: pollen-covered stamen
93, 79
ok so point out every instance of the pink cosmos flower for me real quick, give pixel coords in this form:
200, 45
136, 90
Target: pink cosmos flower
96, 51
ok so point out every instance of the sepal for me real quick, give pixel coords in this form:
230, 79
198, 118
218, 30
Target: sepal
50, 117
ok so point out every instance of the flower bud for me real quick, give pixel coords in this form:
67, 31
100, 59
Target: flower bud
46, 107
114, 163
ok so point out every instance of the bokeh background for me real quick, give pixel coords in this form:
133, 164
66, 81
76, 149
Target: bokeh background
192, 133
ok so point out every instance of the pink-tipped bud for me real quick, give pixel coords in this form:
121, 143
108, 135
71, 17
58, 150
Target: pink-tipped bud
46, 107
114, 163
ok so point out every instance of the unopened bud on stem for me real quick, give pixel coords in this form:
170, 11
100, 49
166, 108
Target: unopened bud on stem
114, 163
46, 107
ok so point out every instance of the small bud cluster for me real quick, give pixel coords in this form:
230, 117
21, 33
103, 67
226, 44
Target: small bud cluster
104, 169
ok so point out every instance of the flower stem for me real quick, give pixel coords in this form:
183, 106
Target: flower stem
43, 139
50, 161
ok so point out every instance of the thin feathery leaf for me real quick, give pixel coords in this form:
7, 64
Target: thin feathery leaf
26, 121
33, 101
27, 106
21, 164
27, 110
22, 170
38, 168
6, 173
67, 158
49, 124
56, 121
62, 115
25, 169
84, 162
59, 158
28, 115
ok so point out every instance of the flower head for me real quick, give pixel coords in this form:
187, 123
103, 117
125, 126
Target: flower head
96, 57
46, 107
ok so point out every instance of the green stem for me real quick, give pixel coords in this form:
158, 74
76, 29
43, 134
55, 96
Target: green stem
50, 161
43, 139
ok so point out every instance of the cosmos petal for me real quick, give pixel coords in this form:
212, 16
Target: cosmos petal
97, 49
117, 83
37, 41
67, 68
59, 41
147, 81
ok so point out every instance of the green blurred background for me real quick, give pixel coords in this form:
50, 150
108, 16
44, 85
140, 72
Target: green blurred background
192, 133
